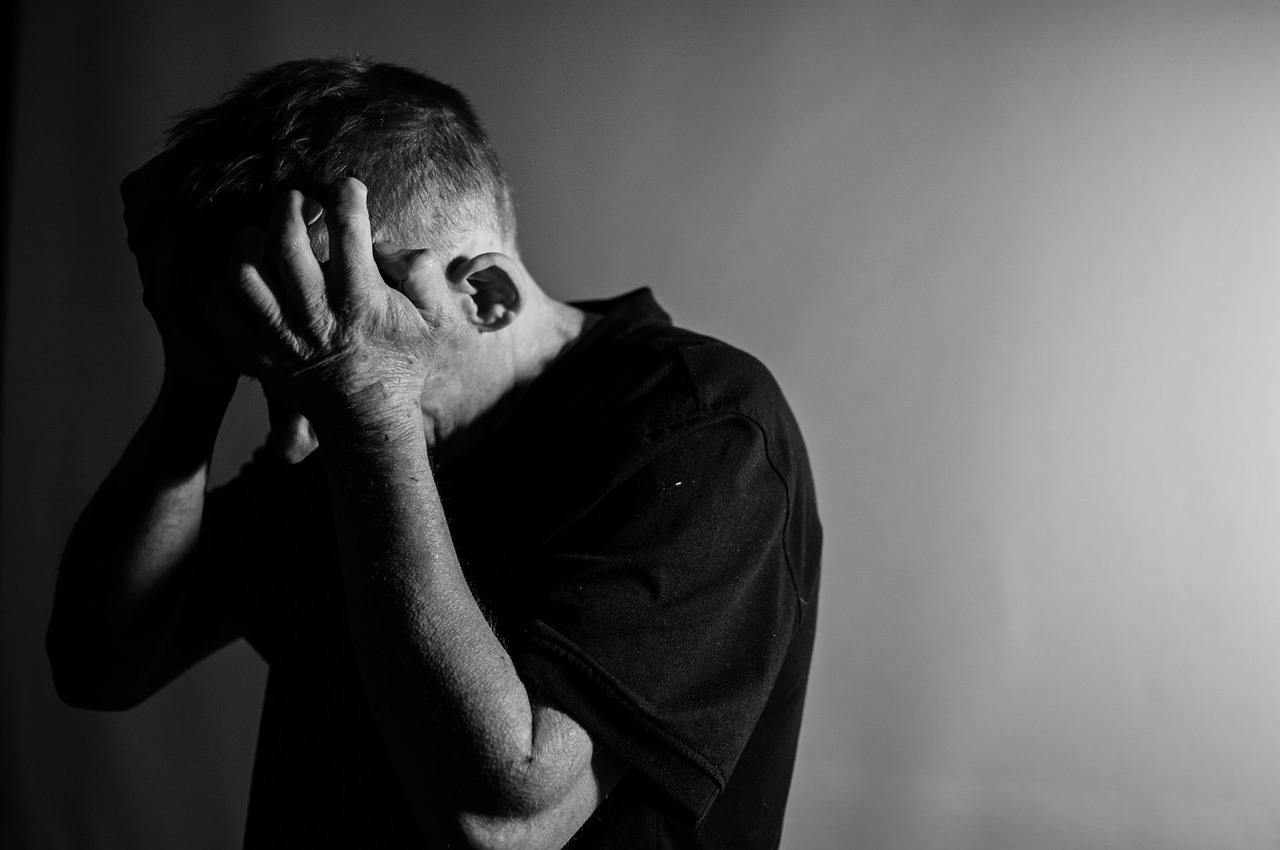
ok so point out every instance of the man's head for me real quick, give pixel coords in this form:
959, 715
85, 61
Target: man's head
433, 183
413, 141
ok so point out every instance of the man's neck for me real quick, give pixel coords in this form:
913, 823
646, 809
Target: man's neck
543, 334
560, 326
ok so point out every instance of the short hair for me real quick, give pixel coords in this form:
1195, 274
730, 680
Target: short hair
413, 141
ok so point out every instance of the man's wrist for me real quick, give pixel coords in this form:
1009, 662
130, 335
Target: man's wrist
376, 417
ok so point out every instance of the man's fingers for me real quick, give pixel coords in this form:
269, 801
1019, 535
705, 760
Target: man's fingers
407, 270
229, 328
247, 280
396, 263
299, 282
292, 436
350, 239
311, 210
290, 246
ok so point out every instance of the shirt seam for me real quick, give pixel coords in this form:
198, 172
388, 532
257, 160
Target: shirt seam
711, 409
708, 413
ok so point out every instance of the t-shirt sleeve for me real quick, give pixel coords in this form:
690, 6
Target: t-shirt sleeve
669, 608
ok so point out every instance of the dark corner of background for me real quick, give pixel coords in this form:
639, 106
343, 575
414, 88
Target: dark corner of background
10, 19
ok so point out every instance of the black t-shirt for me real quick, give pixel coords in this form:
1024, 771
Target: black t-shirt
641, 532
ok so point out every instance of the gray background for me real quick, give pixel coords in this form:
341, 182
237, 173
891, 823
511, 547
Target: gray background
1016, 265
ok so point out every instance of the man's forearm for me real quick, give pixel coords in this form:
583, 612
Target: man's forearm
442, 687
419, 633
128, 561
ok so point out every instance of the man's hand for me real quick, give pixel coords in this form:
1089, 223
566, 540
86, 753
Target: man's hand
349, 341
175, 276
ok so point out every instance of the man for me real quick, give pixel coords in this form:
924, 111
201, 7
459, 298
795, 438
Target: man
523, 571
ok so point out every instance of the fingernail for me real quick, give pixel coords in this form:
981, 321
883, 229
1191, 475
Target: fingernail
311, 210
387, 247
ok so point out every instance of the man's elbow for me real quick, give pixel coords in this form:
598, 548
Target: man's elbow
514, 832
541, 814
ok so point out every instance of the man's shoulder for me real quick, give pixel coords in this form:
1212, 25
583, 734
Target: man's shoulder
675, 372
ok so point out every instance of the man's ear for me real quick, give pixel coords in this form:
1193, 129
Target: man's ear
490, 283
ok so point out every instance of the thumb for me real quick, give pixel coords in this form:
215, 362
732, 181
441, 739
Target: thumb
406, 270
292, 436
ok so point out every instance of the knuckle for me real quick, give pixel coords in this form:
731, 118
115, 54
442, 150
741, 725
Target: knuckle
289, 247
245, 278
349, 218
288, 234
